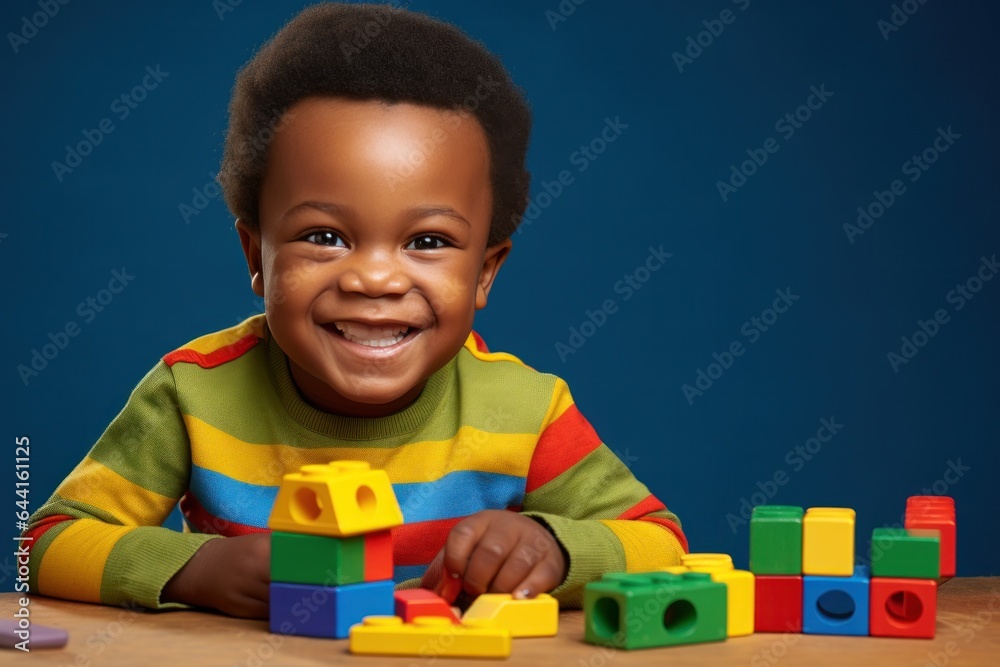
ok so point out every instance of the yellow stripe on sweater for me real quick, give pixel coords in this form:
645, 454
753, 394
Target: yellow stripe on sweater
95, 484
470, 345
647, 545
220, 339
73, 565
266, 464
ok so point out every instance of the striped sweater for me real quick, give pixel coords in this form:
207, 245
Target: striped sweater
217, 423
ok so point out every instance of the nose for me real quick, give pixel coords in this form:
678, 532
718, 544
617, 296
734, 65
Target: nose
374, 273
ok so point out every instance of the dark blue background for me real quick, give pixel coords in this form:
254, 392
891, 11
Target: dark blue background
826, 357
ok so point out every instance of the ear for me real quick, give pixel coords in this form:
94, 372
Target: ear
492, 261
250, 240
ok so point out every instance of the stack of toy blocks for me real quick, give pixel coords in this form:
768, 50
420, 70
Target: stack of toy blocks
823, 592
331, 549
776, 562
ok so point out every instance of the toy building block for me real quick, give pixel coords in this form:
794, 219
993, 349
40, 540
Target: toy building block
326, 611
341, 499
935, 513
903, 607
828, 541
777, 603
833, 605
429, 637
642, 610
739, 589
906, 552
378, 555
414, 602
537, 617
297, 558
776, 539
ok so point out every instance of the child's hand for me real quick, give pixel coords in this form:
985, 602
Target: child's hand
497, 551
230, 574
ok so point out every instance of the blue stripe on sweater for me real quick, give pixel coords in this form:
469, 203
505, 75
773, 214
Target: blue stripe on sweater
457, 494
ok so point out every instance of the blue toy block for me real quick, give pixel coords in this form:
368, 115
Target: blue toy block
836, 605
327, 611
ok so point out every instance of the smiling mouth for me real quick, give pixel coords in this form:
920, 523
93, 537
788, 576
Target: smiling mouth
369, 336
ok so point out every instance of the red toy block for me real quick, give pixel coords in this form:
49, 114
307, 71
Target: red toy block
378, 555
936, 512
902, 607
778, 603
449, 587
414, 602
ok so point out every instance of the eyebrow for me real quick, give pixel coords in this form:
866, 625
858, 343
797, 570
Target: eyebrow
414, 213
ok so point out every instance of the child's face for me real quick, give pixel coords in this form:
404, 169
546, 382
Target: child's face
348, 239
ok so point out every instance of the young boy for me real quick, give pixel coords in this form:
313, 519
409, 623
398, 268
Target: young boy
376, 184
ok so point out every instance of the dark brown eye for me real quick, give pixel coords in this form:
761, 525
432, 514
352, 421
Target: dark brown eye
322, 238
428, 242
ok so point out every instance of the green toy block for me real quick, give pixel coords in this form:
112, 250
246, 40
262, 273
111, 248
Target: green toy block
643, 610
912, 553
776, 539
317, 559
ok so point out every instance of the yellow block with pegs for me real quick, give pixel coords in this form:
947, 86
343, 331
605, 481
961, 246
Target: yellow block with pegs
341, 499
429, 637
740, 589
538, 617
828, 541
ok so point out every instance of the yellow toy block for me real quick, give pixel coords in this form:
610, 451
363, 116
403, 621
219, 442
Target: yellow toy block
538, 617
340, 499
674, 569
429, 637
828, 541
740, 589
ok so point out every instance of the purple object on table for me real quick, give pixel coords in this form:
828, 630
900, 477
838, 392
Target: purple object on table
39, 636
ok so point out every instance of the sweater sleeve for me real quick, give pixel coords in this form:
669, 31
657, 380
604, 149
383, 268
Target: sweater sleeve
604, 518
99, 538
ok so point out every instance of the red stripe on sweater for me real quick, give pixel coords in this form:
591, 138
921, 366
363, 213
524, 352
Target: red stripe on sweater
562, 445
480, 343
671, 526
648, 504
418, 543
44, 526
200, 519
215, 357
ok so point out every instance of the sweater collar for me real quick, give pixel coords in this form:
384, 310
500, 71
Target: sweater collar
406, 421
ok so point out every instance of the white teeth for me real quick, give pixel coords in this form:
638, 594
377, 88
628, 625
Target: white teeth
372, 336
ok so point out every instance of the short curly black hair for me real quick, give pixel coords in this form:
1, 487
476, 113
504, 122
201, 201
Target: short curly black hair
380, 52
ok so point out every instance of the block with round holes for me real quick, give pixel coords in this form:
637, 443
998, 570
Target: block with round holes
903, 607
642, 610
341, 499
834, 605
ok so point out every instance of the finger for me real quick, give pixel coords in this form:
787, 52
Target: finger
543, 577
488, 557
432, 575
462, 540
521, 560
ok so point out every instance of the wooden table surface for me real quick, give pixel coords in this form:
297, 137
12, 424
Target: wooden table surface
968, 633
